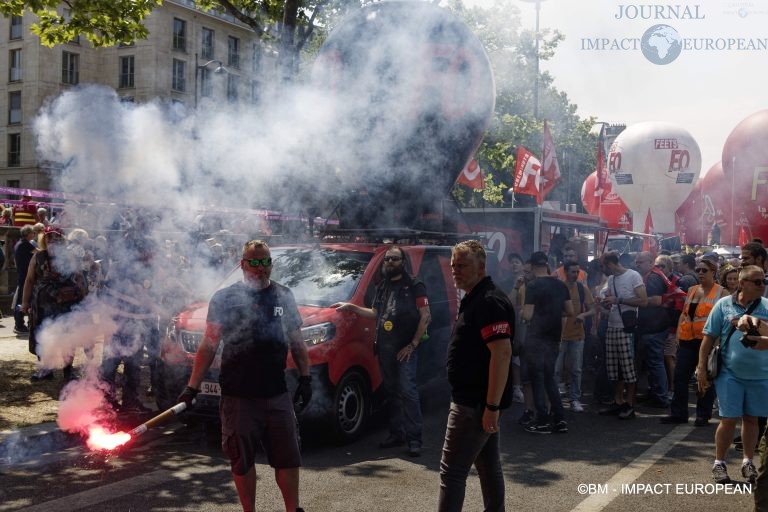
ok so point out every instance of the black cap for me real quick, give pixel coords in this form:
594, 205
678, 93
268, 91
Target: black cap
539, 259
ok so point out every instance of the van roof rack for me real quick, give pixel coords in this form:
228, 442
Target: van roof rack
395, 235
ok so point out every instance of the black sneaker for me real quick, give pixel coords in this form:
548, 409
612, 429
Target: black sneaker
672, 420
414, 448
41, 375
561, 427
391, 442
612, 410
21, 330
748, 471
538, 428
720, 474
526, 418
627, 412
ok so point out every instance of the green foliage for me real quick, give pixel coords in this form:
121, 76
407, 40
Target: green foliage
512, 51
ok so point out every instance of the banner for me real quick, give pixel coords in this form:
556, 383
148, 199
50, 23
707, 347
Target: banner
527, 174
472, 176
550, 172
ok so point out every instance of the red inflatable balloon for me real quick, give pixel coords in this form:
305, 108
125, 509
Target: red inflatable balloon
609, 207
745, 165
709, 203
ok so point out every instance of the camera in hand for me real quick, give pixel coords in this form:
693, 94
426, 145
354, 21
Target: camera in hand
751, 331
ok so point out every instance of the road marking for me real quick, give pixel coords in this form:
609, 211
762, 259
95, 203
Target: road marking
103, 493
633, 470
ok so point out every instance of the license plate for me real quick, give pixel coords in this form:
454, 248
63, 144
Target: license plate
210, 388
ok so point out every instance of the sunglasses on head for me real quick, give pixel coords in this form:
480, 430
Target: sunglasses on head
392, 258
702, 270
264, 262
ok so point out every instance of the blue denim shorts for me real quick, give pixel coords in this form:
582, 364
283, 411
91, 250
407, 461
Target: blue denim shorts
739, 397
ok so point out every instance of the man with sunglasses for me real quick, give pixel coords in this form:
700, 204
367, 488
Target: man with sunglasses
742, 384
399, 304
257, 321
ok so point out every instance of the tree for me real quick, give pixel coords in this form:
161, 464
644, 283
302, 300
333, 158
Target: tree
511, 50
108, 22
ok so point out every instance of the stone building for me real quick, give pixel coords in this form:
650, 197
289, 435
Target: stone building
189, 56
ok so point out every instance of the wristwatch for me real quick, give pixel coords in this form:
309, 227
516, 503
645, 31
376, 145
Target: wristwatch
492, 407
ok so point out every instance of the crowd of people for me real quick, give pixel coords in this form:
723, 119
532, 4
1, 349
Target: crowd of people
644, 324
651, 319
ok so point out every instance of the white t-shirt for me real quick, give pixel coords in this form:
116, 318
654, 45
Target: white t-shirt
625, 287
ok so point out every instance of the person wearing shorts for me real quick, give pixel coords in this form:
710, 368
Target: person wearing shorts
257, 321
742, 384
625, 291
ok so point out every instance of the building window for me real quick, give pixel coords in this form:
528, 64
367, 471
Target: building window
233, 55
16, 24
255, 91
206, 86
14, 107
207, 44
67, 17
126, 71
70, 68
256, 58
14, 150
13, 184
14, 66
232, 83
178, 75
179, 34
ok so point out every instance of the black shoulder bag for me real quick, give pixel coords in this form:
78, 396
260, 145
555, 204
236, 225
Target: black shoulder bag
715, 357
628, 317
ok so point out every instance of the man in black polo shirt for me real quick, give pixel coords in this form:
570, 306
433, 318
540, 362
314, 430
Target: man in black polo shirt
257, 320
479, 357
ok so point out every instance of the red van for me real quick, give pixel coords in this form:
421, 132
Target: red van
342, 356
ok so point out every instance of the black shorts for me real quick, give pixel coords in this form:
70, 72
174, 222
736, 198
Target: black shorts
247, 423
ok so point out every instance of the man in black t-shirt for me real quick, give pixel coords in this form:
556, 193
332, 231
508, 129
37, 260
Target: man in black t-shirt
257, 321
547, 301
479, 357
399, 304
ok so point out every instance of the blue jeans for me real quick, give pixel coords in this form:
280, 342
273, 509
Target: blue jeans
466, 443
574, 351
405, 420
540, 357
685, 365
651, 349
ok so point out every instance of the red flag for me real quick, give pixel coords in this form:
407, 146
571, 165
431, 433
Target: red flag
550, 171
744, 235
527, 174
649, 243
602, 171
472, 176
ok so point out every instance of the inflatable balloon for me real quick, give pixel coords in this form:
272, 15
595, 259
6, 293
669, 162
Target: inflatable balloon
654, 166
412, 94
745, 168
609, 207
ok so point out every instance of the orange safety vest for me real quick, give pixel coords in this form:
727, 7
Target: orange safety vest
560, 274
691, 329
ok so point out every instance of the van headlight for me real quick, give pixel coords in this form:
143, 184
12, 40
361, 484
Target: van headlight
320, 333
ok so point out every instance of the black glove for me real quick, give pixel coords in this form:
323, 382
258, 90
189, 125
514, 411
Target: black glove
188, 396
303, 392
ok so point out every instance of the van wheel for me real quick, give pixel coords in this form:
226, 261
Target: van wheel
351, 406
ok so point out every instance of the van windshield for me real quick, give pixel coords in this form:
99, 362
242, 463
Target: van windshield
317, 277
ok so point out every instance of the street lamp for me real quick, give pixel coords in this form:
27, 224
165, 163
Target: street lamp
537, 3
218, 70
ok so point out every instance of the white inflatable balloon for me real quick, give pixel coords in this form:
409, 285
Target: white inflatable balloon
654, 166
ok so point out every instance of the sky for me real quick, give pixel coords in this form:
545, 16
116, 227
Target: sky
707, 92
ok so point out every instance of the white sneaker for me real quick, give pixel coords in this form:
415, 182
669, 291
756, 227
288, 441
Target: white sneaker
576, 406
517, 394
